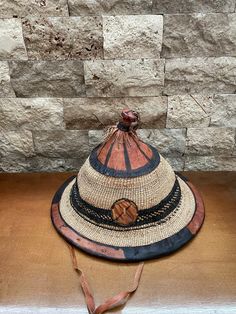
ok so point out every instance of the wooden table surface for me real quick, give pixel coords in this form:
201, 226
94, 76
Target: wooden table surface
36, 274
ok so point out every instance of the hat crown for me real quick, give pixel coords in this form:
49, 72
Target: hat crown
124, 167
122, 153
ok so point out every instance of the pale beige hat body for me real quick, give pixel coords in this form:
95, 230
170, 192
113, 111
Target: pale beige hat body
126, 202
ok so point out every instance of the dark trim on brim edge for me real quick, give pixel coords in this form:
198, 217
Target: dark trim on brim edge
128, 254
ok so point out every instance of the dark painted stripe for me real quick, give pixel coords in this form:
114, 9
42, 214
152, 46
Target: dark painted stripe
127, 161
109, 154
163, 247
144, 154
149, 167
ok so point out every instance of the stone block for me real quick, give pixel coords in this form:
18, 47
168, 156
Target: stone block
12, 44
17, 144
169, 142
189, 111
39, 164
61, 38
97, 113
199, 35
132, 36
200, 75
210, 163
111, 7
6, 89
185, 6
47, 78
62, 144
141, 77
31, 114
210, 141
22, 8
224, 111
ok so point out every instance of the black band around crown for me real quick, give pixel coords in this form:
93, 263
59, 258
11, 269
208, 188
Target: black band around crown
100, 216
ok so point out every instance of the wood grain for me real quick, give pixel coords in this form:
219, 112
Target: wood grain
36, 272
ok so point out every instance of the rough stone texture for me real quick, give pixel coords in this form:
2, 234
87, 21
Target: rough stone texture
62, 144
111, 7
21, 8
11, 40
200, 75
234, 149
31, 114
185, 6
210, 163
47, 78
177, 163
17, 144
6, 89
210, 141
96, 113
168, 142
83, 70
199, 35
224, 111
130, 37
95, 137
124, 77
60, 38
39, 164
189, 111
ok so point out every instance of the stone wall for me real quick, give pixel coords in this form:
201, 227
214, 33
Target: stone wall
67, 68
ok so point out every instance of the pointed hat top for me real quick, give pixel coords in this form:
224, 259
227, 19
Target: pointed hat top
122, 153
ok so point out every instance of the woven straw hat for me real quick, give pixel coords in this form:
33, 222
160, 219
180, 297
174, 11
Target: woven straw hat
127, 203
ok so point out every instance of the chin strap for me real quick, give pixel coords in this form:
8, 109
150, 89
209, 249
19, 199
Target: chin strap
117, 300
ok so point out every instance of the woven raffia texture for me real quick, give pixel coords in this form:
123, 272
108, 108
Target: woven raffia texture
177, 220
146, 191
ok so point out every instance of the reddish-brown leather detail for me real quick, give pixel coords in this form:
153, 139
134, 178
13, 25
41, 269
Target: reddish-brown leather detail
124, 212
79, 240
142, 146
136, 157
122, 297
103, 151
89, 299
198, 217
146, 149
117, 158
129, 116
112, 151
117, 300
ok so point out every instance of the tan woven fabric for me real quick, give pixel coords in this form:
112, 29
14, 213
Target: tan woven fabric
146, 191
178, 219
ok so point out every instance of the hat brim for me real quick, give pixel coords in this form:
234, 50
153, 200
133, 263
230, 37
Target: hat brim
128, 253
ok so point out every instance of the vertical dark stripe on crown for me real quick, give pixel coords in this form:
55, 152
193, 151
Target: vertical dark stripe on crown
127, 161
109, 153
141, 149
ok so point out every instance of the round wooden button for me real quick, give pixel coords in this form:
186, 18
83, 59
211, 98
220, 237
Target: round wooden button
124, 212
